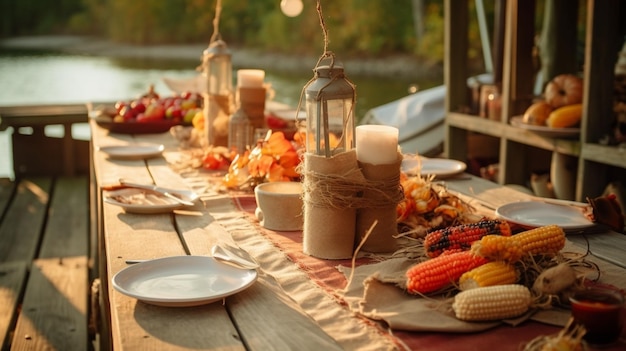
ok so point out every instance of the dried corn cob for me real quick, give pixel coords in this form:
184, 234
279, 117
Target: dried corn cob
498, 248
489, 274
462, 236
492, 303
441, 271
547, 240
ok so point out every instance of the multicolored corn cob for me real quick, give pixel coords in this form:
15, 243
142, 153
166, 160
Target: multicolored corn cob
547, 240
441, 271
462, 236
492, 303
489, 274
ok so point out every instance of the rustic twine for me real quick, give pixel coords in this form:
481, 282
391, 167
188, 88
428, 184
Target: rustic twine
331, 56
216, 22
344, 191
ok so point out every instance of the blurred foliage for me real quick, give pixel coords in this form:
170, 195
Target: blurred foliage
355, 27
27, 17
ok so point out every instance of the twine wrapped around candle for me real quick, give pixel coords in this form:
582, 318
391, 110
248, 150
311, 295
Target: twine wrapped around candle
330, 188
379, 205
339, 199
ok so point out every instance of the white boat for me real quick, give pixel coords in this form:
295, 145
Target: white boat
419, 118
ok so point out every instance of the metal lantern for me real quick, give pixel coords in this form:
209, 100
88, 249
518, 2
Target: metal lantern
330, 100
217, 68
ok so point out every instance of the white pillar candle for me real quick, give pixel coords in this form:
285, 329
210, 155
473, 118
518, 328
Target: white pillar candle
376, 144
250, 78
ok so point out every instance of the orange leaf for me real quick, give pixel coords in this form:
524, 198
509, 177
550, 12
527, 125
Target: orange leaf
277, 144
289, 159
261, 166
276, 174
291, 172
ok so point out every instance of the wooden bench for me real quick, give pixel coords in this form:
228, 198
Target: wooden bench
44, 263
34, 152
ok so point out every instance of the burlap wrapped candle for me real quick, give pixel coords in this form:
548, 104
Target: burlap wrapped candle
380, 199
331, 191
379, 160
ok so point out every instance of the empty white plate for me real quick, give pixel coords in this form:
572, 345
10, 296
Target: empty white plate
532, 214
133, 152
439, 167
181, 281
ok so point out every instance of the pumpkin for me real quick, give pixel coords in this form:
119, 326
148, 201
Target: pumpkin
564, 89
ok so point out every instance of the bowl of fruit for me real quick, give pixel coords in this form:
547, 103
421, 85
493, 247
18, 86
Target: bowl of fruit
149, 113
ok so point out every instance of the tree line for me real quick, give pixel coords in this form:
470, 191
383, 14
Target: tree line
355, 27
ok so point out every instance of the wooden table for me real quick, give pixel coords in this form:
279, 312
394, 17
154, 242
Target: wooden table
286, 309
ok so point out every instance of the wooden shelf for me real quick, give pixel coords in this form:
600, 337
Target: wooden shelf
519, 148
500, 130
475, 124
609, 155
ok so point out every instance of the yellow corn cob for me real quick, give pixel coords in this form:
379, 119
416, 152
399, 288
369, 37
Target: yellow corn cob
492, 303
566, 116
547, 240
497, 249
491, 273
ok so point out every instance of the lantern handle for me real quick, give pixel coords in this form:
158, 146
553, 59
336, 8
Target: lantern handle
326, 54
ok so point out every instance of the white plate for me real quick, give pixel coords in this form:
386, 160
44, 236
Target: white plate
532, 214
133, 152
135, 200
181, 281
545, 130
439, 167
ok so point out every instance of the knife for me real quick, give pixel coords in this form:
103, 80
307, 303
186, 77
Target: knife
560, 202
162, 191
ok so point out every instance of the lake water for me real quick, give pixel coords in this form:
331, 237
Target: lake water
29, 77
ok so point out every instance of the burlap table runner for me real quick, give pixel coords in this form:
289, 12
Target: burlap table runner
377, 292
296, 284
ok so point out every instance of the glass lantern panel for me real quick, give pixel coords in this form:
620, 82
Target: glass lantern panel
335, 137
219, 75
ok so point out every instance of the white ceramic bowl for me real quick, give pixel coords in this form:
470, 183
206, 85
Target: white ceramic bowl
279, 205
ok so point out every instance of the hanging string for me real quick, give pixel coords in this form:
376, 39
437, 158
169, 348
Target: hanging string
331, 56
324, 55
323, 25
216, 22
331, 64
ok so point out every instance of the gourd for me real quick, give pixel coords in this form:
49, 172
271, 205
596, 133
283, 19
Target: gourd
566, 116
537, 113
563, 90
